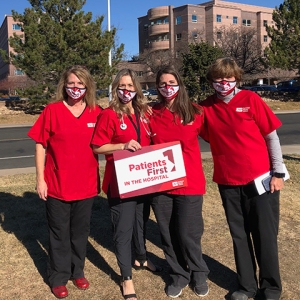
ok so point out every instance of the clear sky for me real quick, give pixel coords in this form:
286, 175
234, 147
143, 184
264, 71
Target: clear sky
123, 14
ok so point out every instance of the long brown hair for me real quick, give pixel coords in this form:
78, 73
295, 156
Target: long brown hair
182, 105
138, 102
84, 75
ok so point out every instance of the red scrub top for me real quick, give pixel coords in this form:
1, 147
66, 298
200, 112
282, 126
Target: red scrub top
71, 169
108, 131
236, 133
165, 129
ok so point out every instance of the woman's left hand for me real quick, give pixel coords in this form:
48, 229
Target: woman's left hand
276, 184
132, 145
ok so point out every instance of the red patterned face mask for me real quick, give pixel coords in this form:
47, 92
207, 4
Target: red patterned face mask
169, 92
224, 87
125, 96
76, 93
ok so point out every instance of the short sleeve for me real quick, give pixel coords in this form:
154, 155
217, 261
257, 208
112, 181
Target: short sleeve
105, 129
40, 131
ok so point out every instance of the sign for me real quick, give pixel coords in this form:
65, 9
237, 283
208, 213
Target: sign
152, 169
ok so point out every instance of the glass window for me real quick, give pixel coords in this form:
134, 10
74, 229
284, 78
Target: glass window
219, 18
195, 35
246, 22
265, 38
194, 18
178, 36
265, 22
178, 20
16, 27
166, 21
219, 35
158, 22
235, 20
18, 72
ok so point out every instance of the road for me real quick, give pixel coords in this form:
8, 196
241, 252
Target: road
17, 150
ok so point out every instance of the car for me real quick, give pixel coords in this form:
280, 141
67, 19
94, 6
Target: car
152, 92
102, 93
289, 86
145, 93
262, 89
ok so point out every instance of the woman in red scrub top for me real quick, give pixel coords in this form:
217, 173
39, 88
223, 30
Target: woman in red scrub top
67, 175
179, 212
241, 130
123, 126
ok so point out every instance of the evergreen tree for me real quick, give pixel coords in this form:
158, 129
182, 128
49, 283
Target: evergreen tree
284, 50
195, 63
58, 34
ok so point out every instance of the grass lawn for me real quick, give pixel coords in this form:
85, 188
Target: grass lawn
23, 247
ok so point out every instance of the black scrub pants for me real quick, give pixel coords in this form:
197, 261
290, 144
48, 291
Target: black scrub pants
180, 221
139, 231
69, 228
125, 214
253, 222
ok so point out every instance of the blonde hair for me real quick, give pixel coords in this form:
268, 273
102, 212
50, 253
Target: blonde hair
84, 75
138, 102
224, 68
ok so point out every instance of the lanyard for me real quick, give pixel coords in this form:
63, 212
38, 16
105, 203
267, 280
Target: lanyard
136, 126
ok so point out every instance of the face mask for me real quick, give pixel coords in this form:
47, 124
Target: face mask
169, 92
224, 87
75, 93
125, 96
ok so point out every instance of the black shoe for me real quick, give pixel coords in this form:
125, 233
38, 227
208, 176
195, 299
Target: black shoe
239, 296
173, 291
128, 296
201, 290
158, 269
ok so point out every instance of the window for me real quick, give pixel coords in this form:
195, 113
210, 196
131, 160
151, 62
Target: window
16, 27
194, 18
265, 38
145, 27
265, 23
158, 22
178, 20
166, 21
246, 22
18, 72
177, 54
234, 20
139, 73
165, 37
178, 36
219, 35
219, 19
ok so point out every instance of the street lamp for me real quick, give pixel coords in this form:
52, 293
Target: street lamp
109, 54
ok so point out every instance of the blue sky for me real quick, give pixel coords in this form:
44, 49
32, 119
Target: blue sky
123, 14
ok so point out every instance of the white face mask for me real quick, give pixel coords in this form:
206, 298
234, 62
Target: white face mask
125, 96
224, 87
169, 92
76, 93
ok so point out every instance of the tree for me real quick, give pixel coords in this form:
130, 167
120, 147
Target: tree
58, 34
195, 63
284, 49
240, 43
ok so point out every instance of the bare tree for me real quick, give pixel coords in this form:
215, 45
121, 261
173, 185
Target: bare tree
240, 43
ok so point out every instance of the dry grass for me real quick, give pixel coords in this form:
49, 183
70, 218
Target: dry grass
23, 250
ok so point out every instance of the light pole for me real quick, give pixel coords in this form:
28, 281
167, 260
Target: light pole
109, 54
